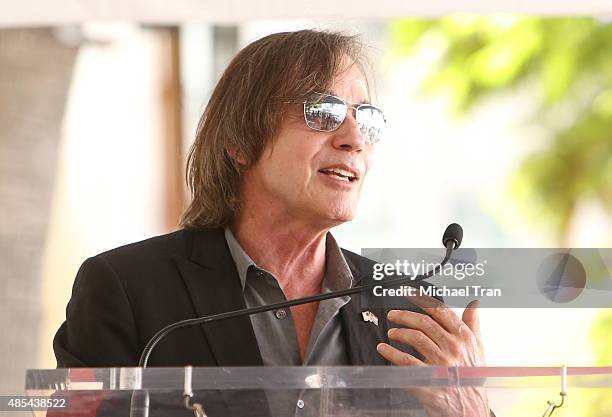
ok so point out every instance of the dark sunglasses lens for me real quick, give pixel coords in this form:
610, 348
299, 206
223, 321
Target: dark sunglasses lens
371, 122
325, 115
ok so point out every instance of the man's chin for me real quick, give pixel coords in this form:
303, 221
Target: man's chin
338, 217
332, 213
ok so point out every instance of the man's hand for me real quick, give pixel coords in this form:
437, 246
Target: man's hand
443, 339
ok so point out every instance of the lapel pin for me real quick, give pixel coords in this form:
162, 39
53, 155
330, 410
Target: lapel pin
369, 316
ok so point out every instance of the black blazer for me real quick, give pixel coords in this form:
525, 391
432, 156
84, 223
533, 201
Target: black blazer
122, 297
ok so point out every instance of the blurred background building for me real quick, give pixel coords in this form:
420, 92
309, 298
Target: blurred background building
502, 122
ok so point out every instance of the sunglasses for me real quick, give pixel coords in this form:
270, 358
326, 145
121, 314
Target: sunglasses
326, 113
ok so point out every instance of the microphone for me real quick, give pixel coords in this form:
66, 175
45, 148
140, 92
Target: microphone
453, 235
452, 239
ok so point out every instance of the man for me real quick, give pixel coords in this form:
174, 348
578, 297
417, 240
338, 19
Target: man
280, 157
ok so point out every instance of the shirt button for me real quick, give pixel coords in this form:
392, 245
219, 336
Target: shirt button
260, 273
300, 404
280, 314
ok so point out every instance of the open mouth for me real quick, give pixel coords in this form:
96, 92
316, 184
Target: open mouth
340, 174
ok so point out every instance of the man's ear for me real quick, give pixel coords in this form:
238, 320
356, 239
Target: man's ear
237, 156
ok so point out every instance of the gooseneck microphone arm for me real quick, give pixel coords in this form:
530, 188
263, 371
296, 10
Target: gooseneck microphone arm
452, 239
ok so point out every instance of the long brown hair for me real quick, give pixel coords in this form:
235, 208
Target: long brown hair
246, 108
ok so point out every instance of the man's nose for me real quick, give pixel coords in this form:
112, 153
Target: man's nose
348, 136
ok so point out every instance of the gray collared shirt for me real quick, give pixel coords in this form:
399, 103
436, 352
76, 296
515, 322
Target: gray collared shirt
275, 330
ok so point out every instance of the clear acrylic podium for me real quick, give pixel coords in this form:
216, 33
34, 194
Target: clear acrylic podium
308, 391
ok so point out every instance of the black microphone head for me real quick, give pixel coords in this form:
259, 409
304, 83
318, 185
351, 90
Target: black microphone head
453, 233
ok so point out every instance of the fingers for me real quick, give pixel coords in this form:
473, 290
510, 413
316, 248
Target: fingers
397, 357
419, 341
440, 336
423, 323
440, 312
471, 318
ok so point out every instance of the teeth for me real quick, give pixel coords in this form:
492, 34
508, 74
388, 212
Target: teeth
345, 175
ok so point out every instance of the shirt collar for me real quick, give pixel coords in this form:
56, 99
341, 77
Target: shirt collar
242, 260
337, 272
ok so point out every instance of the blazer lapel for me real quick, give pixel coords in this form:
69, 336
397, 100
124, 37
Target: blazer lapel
358, 329
362, 336
214, 287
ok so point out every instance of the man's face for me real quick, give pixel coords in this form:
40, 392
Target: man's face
294, 175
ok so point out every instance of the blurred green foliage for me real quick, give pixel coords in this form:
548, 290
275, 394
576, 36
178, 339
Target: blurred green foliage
567, 63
